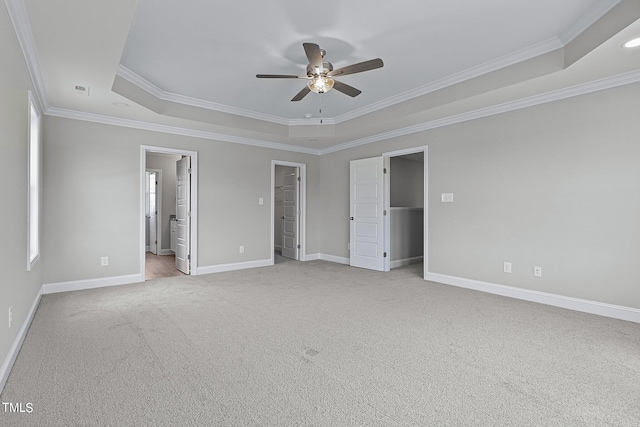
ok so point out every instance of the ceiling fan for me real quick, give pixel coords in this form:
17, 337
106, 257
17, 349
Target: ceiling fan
321, 74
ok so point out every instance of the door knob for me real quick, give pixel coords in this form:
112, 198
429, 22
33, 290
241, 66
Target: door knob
351, 218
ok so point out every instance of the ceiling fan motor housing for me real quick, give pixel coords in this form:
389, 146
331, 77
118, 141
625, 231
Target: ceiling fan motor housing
326, 67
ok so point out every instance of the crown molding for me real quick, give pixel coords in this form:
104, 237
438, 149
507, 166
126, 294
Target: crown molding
136, 124
557, 95
144, 84
20, 21
511, 59
312, 121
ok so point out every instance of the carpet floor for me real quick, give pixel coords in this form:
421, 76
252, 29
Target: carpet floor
319, 344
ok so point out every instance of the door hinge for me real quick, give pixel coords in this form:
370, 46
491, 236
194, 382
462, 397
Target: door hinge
385, 255
189, 171
299, 179
384, 170
298, 246
189, 257
384, 212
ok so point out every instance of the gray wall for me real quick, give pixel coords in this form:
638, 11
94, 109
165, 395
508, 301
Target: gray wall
167, 164
556, 185
407, 183
92, 199
18, 288
407, 233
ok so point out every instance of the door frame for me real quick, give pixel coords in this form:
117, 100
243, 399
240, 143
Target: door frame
158, 173
387, 204
144, 149
302, 203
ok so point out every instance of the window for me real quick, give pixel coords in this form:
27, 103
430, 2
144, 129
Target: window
33, 189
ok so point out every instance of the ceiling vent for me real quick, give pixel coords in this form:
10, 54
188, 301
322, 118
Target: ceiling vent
82, 90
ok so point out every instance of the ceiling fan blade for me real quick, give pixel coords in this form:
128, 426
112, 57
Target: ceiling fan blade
371, 64
313, 54
301, 94
277, 76
346, 89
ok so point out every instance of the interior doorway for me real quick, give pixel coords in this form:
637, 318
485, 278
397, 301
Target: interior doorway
385, 234
168, 247
406, 209
406, 201
288, 213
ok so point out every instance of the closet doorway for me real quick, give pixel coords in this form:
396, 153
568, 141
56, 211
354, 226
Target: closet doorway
288, 215
406, 202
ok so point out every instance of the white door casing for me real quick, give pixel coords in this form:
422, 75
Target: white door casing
290, 223
366, 210
183, 213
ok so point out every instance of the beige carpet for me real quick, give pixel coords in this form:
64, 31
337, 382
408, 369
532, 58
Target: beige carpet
319, 344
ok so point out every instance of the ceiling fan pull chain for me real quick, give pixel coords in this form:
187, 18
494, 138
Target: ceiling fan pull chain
320, 111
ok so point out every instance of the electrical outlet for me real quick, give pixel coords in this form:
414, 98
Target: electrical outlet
10, 315
507, 267
261, 201
447, 197
241, 249
104, 261
537, 271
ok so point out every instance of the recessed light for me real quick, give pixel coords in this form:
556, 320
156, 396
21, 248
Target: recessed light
121, 104
632, 43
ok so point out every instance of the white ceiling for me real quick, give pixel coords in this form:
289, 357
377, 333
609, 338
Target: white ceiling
192, 64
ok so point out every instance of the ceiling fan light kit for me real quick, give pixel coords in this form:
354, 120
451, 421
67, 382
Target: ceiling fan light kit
321, 74
320, 84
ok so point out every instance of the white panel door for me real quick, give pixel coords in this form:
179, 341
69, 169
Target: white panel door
290, 223
153, 212
366, 213
183, 214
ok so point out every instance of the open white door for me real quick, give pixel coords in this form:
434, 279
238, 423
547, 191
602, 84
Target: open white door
367, 213
290, 245
153, 212
183, 214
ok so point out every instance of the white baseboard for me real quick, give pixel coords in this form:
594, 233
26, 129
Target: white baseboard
234, 266
586, 306
405, 261
277, 247
326, 257
8, 362
147, 248
77, 285
166, 252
